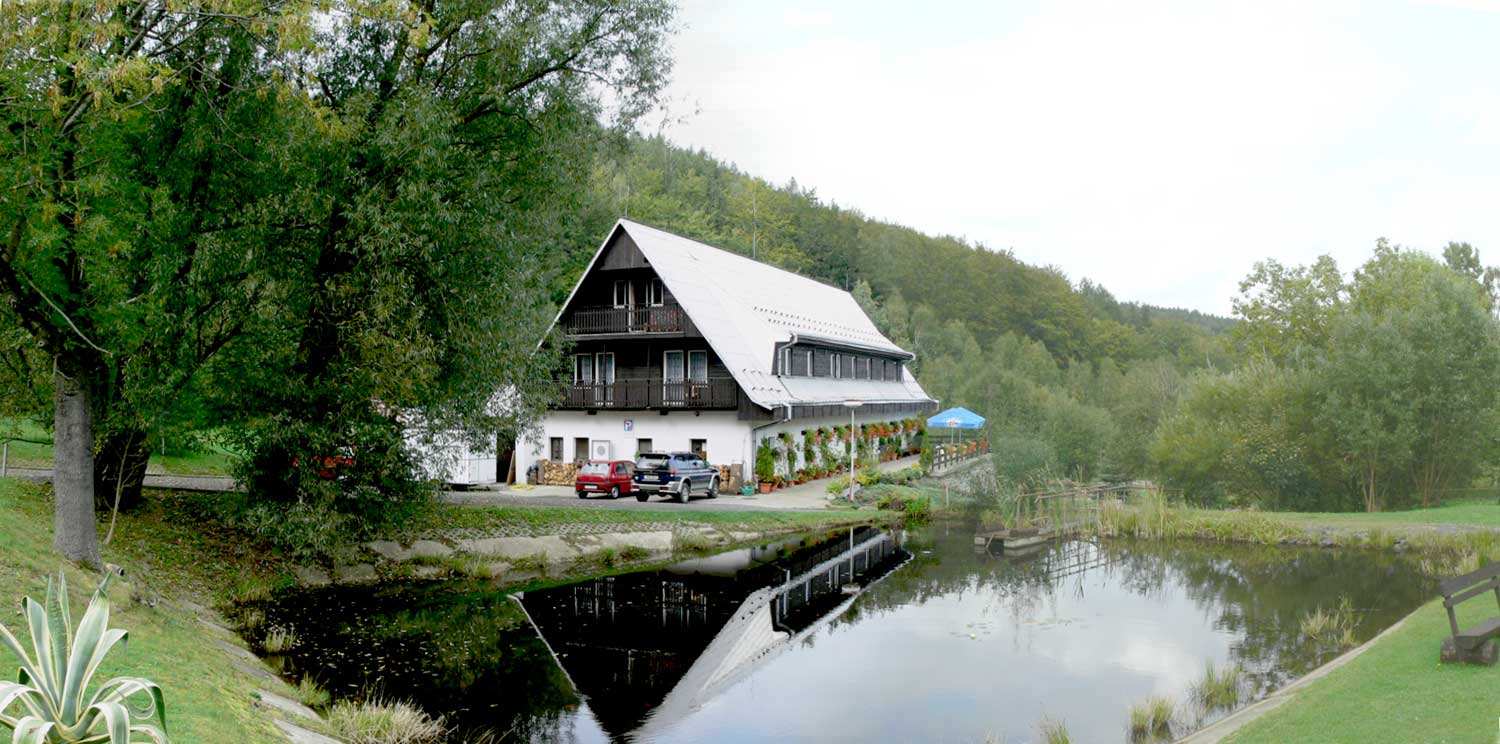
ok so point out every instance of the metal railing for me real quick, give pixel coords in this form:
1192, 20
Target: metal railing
714, 392
666, 318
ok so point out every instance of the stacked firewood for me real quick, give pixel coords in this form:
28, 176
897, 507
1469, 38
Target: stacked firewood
558, 473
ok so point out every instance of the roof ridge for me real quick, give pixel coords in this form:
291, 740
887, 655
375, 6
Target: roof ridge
734, 254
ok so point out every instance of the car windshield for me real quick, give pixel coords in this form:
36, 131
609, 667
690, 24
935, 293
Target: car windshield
596, 468
650, 461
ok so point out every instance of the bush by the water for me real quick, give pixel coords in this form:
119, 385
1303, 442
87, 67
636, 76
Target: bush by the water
1022, 462
872, 476
384, 722
312, 494
890, 497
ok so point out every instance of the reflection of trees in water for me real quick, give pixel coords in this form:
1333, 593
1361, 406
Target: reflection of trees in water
1260, 593
1257, 594
458, 651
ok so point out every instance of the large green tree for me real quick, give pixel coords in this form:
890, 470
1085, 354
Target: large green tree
320, 225
1378, 391
141, 177
457, 144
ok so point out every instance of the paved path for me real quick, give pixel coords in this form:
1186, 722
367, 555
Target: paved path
153, 480
810, 496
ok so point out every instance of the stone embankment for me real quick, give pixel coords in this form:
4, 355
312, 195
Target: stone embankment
517, 559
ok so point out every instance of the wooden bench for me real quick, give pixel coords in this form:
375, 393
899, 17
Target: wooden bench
1471, 644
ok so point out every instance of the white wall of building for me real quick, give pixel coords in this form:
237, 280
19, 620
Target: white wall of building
449, 458
730, 440
728, 437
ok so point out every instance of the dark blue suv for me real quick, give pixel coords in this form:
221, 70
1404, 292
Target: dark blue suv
679, 474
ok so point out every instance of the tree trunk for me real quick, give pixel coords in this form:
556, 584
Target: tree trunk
121, 465
74, 533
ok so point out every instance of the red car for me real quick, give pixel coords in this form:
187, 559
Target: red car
613, 477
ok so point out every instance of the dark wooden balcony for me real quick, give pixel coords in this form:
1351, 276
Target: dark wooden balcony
633, 319
715, 392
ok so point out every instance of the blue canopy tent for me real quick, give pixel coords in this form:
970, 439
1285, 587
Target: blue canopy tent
955, 420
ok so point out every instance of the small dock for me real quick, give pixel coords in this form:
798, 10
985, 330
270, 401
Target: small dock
1016, 539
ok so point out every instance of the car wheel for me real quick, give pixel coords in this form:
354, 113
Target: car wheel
614, 493
713, 487
641, 496
582, 495
684, 492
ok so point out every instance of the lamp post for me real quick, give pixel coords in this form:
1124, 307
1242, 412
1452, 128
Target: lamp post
851, 405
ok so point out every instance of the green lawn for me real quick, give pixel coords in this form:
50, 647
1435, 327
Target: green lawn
169, 555
1477, 513
30, 446
544, 520
1394, 692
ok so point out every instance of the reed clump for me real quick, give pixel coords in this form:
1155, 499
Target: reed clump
1334, 627
1219, 687
384, 722
309, 693
280, 640
1053, 731
1151, 719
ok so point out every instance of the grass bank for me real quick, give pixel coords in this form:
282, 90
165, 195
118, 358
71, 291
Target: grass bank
464, 521
1396, 691
172, 560
30, 446
1472, 513
1452, 539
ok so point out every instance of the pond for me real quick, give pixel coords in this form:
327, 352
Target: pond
856, 635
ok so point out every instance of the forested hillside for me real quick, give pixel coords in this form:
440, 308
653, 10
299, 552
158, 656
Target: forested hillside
1066, 371
989, 291
1326, 392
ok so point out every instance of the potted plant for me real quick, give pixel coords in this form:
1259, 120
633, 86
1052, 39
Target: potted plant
765, 465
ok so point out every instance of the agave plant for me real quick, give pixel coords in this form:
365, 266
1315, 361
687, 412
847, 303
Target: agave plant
51, 703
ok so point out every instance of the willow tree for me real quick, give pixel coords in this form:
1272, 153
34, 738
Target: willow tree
144, 179
457, 140
310, 224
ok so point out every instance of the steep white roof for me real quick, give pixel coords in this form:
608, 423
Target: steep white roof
744, 308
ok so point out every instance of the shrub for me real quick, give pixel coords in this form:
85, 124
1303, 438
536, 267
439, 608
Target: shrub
1023, 462
380, 722
916, 505
314, 491
53, 691
765, 461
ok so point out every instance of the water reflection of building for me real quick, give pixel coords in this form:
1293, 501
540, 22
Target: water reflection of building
647, 648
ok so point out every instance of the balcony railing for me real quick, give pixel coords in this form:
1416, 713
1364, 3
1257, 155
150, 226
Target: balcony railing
715, 392
588, 321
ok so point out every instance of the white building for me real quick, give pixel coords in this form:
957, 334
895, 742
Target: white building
680, 346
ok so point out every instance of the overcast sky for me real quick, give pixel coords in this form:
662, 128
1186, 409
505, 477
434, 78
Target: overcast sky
1157, 148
